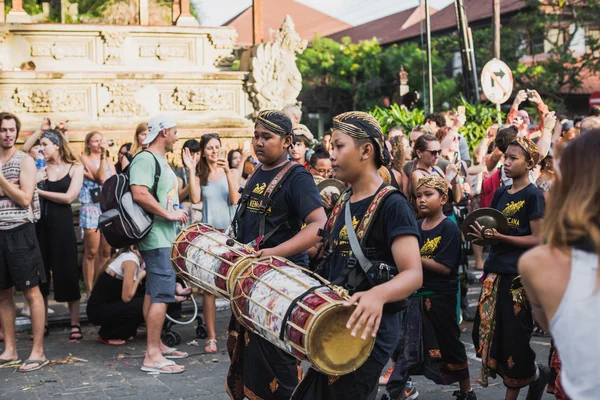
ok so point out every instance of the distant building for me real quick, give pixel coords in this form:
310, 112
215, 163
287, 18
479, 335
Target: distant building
308, 21
385, 29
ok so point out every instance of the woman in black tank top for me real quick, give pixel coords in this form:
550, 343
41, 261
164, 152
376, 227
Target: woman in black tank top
55, 231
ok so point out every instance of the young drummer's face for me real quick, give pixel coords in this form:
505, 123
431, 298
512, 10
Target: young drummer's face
515, 162
430, 201
268, 146
345, 157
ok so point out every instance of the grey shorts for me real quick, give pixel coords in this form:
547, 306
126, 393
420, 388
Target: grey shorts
160, 275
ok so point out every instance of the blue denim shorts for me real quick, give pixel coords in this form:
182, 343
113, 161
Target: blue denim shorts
160, 275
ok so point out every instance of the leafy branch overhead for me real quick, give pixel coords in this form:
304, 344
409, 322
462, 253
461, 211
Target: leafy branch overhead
564, 35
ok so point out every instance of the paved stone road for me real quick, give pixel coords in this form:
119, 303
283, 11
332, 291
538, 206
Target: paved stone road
114, 372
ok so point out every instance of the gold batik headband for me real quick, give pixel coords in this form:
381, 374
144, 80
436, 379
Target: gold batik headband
434, 182
361, 125
275, 121
529, 147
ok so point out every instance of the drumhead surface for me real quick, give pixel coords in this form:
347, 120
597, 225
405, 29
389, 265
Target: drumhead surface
331, 347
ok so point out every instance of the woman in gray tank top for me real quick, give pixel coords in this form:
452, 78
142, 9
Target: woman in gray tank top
219, 187
562, 278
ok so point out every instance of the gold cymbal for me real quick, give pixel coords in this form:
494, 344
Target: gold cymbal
489, 218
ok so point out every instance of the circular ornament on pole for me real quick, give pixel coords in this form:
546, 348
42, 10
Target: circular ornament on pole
496, 81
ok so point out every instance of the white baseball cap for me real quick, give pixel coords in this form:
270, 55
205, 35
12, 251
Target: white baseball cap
156, 125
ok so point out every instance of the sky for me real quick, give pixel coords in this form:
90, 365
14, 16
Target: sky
353, 12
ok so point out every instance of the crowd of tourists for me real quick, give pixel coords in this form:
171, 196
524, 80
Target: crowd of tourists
413, 189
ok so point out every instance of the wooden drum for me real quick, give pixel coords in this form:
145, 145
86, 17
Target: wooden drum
300, 313
208, 258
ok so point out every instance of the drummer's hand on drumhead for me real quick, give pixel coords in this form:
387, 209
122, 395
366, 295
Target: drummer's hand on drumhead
179, 216
367, 314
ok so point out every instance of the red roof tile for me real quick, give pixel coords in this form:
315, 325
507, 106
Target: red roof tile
308, 21
390, 25
476, 10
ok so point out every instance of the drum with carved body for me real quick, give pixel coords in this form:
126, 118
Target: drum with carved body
300, 313
208, 258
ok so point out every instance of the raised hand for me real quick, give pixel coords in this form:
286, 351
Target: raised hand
190, 160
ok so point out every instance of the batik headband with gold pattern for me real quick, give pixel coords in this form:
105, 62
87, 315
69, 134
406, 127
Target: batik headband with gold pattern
434, 182
529, 147
275, 121
361, 125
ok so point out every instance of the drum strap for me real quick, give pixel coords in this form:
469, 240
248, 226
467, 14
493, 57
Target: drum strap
351, 275
265, 201
291, 307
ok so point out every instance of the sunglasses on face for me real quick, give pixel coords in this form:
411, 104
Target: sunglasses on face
434, 152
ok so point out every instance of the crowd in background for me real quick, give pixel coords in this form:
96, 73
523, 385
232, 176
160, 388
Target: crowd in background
208, 187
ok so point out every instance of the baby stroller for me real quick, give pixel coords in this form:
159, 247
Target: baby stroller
174, 314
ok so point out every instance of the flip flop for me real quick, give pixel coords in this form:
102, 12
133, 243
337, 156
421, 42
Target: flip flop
108, 343
8, 363
168, 354
158, 368
41, 364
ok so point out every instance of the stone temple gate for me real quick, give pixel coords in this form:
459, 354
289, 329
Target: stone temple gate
110, 78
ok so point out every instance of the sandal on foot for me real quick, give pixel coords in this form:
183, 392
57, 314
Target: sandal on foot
77, 332
211, 346
8, 363
40, 364
112, 342
170, 354
158, 368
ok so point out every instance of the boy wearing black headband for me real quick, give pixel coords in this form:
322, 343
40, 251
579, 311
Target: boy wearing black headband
358, 152
279, 198
504, 322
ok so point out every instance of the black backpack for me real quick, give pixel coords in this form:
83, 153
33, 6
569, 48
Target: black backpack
124, 222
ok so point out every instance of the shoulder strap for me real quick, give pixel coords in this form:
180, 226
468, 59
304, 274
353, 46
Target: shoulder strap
336, 211
365, 224
357, 239
157, 172
272, 188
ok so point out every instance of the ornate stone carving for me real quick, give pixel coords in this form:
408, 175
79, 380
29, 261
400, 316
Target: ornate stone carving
194, 98
66, 101
163, 52
59, 51
34, 100
123, 102
223, 39
225, 61
37, 100
275, 79
112, 46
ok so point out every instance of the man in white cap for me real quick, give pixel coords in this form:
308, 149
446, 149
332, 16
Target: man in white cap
162, 201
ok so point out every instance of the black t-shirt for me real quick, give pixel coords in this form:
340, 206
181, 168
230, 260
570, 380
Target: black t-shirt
297, 197
441, 244
519, 209
394, 218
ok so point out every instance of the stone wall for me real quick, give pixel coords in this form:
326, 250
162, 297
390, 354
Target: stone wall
110, 78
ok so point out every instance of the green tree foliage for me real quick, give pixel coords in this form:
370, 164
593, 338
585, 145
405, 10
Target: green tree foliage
364, 74
30, 6
397, 115
479, 118
561, 25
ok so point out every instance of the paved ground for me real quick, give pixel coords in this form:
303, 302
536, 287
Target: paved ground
114, 372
